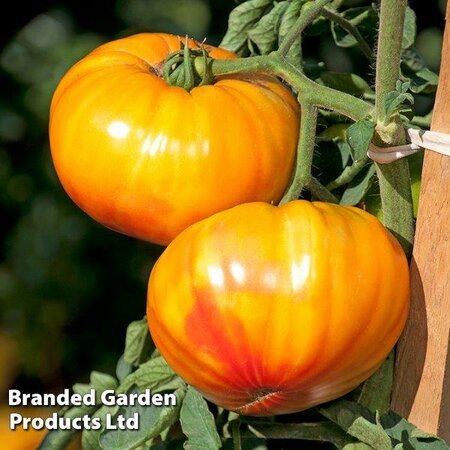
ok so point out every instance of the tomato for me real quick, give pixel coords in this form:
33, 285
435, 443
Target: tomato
270, 310
21, 439
149, 159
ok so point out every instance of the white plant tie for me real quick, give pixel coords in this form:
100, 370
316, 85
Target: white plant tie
419, 140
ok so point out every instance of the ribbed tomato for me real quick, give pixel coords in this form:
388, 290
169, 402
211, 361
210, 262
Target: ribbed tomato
269, 310
148, 159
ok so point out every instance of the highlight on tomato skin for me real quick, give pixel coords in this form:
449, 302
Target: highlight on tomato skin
149, 159
270, 310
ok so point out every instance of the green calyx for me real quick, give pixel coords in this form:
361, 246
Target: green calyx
178, 68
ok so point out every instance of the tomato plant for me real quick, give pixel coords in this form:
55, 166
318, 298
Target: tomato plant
147, 158
269, 310
263, 309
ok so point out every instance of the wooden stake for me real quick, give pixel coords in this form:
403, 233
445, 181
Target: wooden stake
422, 377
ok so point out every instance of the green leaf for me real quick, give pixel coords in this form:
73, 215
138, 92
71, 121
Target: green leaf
376, 391
382, 432
401, 431
357, 446
419, 434
137, 342
123, 369
414, 69
424, 81
358, 422
370, 433
359, 186
265, 34
242, 19
364, 18
81, 388
413, 60
346, 82
102, 381
155, 374
409, 28
60, 438
90, 438
152, 421
359, 136
197, 423
395, 102
99, 381
288, 20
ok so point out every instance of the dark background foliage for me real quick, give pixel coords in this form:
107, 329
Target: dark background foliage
69, 287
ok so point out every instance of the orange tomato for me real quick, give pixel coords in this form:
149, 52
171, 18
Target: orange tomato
270, 310
149, 159
21, 439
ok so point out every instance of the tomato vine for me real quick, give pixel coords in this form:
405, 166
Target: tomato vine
365, 419
394, 178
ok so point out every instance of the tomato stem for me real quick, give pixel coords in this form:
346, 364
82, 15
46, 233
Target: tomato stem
348, 26
305, 152
308, 90
189, 82
394, 178
311, 95
318, 95
302, 177
236, 433
178, 68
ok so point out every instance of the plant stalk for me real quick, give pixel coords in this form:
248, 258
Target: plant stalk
392, 18
309, 91
394, 178
305, 152
337, 18
302, 177
236, 433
